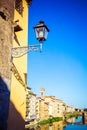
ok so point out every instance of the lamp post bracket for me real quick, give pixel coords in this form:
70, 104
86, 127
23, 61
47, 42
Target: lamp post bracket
20, 51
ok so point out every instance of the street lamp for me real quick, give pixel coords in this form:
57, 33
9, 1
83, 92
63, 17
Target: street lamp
41, 32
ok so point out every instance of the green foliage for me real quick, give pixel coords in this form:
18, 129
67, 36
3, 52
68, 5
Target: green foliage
72, 115
50, 120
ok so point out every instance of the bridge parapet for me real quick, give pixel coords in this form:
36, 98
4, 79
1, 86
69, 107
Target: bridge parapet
84, 117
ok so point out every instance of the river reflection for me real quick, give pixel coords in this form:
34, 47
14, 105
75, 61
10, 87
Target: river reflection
53, 126
72, 123
59, 125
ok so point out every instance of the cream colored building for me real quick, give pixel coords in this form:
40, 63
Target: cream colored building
56, 106
51, 101
31, 106
28, 97
61, 108
70, 109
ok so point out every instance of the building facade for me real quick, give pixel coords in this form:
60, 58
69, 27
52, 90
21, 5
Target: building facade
44, 107
17, 111
70, 109
50, 106
30, 106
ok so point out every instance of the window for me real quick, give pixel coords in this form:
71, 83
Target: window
25, 76
19, 6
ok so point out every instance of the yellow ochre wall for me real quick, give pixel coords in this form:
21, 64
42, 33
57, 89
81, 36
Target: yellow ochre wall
17, 110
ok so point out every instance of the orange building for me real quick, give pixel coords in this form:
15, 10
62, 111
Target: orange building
42, 109
50, 106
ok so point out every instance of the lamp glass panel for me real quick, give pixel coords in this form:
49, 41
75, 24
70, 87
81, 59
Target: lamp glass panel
41, 32
45, 33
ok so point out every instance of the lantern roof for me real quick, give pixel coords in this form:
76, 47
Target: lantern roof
41, 24
29, 2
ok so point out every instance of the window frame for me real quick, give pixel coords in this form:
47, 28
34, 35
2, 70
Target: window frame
19, 6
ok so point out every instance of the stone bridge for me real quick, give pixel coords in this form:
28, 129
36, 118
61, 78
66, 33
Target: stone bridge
84, 117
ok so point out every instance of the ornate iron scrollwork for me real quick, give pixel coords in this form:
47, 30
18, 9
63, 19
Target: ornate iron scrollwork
20, 51
17, 75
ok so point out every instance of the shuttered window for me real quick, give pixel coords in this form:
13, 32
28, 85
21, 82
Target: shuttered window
19, 6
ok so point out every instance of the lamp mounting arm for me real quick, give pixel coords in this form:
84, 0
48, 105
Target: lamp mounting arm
20, 51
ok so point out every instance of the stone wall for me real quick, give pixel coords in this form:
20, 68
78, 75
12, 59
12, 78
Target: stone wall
6, 40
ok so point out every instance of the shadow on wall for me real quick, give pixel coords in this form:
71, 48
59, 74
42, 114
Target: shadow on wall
4, 104
15, 121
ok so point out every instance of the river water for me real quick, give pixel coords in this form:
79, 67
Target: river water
76, 125
71, 124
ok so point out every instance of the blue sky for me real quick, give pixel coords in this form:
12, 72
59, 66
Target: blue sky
62, 66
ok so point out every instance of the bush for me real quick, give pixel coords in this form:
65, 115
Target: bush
50, 120
71, 115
